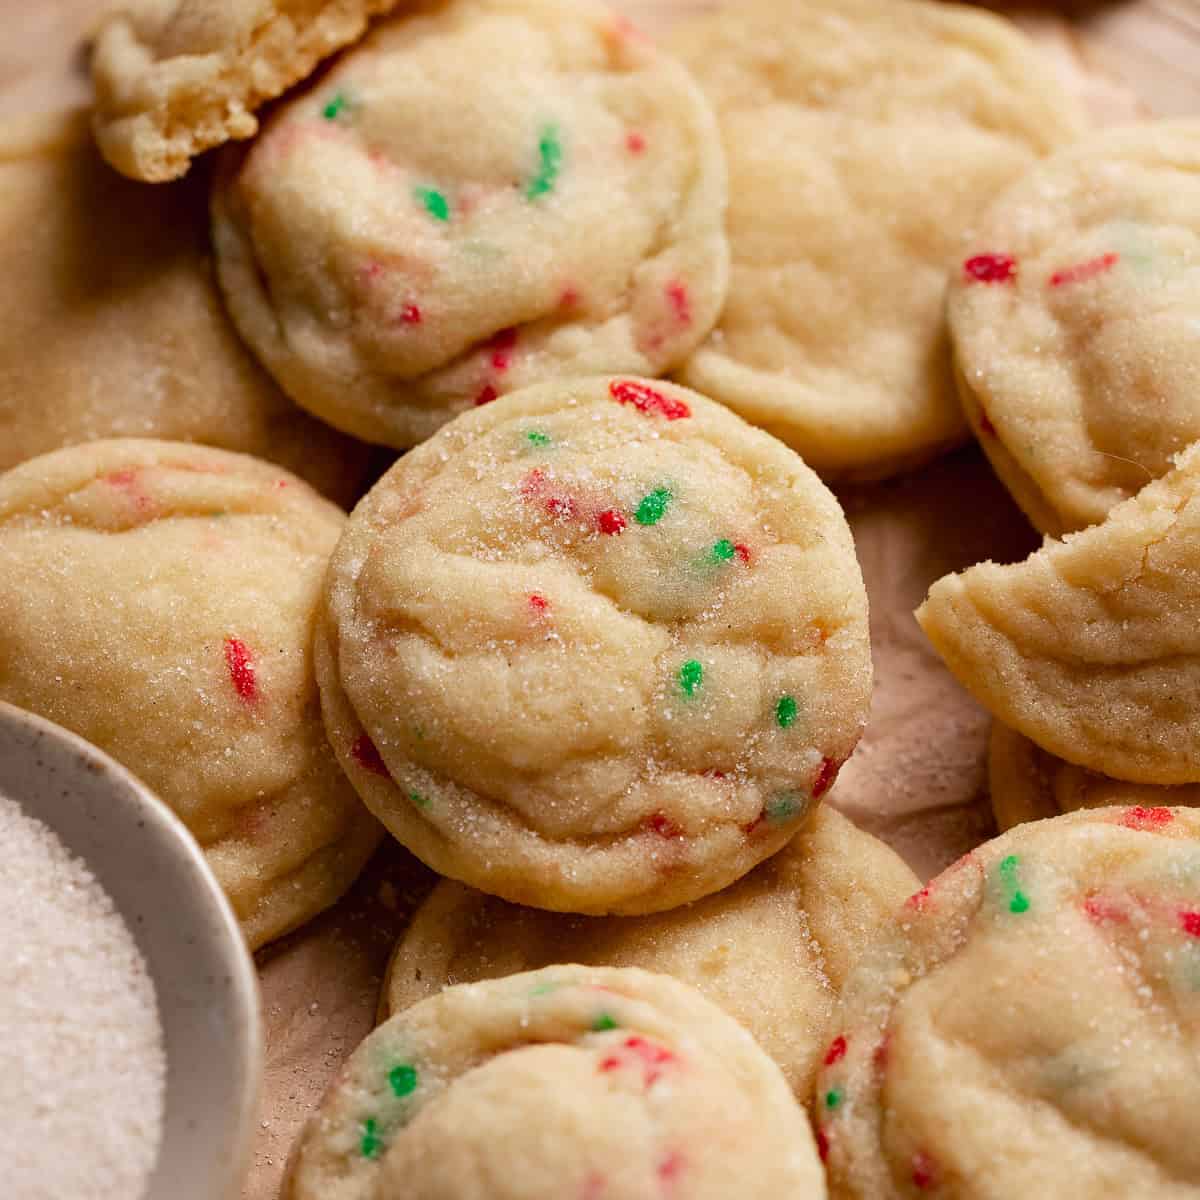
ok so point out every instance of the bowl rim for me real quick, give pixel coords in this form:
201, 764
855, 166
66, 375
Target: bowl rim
237, 962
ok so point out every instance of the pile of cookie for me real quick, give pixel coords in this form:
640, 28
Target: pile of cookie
596, 647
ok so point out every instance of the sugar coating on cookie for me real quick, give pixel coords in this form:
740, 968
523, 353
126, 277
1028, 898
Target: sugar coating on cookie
1074, 314
158, 599
1090, 647
862, 136
772, 950
1031, 1024
1028, 784
479, 197
597, 647
176, 77
576, 1082
111, 323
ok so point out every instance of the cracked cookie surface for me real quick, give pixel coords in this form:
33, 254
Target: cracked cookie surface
420, 232
862, 138
597, 647
1074, 316
1090, 647
158, 599
598, 1084
1031, 1027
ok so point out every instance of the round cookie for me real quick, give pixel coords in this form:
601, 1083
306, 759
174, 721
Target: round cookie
572, 1081
1090, 647
175, 77
772, 950
111, 324
1031, 1030
862, 137
159, 599
1027, 784
597, 647
1074, 319
418, 232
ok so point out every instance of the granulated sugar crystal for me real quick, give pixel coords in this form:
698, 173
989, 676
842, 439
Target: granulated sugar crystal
82, 1066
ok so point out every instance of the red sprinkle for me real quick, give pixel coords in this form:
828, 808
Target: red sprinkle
1190, 922
670, 1167
653, 1057
991, 268
681, 302
241, 668
366, 754
539, 604
743, 552
646, 400
486, 395
1084, 271
501, 346
1103, 912
562, 506
918, 900
823, 1145
924, 1171
635, 142
1147, 819
837, 1051
569, 297
410, 314
826, 777
661, 824
611, 522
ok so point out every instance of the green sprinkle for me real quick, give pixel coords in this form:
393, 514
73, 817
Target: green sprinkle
782, 807
403, 1079
417, 799
785, 712
653, 507
371, 1142
833, 1098
544, 989
691, 676
336, 106
550, 154
535, 437
433, 202
1018, 901
603, 1023
723, 551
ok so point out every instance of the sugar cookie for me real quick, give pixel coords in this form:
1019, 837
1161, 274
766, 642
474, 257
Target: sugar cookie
1074, 318
772, 950
159, 599
111, 324
1031, 1029
420, 232
1027, 784
862, 137
1091, 646
176, 77
568, 1082
596, 647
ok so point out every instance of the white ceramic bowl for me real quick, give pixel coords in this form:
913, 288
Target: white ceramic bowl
207, 988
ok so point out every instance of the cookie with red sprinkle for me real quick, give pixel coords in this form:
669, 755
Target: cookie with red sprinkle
1032, 1027
570, 1083
158, 599
1078, 362
665, 714
480, 196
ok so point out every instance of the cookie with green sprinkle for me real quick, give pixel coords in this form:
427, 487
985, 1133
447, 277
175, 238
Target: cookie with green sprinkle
605, 669
479, 197
1029, 1026
572, 1082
